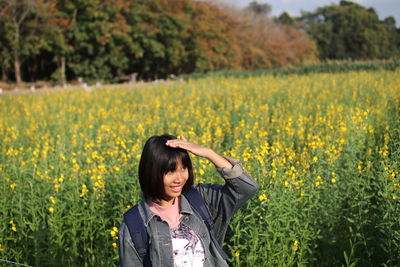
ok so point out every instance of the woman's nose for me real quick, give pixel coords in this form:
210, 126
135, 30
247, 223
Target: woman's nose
178, 177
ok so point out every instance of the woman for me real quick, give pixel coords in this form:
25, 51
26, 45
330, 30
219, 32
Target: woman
177, 234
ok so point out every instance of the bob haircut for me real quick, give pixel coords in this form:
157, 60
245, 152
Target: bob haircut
158, 159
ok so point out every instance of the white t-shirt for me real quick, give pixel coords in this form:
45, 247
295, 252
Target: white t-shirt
187, 247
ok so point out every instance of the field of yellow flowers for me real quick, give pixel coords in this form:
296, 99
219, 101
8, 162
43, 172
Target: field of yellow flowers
323, 147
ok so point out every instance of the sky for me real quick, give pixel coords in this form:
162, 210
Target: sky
384, 8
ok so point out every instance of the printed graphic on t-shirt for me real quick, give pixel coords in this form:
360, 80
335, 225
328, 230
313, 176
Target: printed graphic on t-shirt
187, 248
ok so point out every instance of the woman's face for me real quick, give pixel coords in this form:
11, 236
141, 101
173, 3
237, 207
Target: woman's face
174, 182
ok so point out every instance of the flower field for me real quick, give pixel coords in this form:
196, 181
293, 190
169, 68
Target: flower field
323, 147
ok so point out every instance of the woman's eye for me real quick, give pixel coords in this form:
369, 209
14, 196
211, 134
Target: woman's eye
177, 170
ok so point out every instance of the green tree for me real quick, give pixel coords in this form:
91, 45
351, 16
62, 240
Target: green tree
390, 24
285, 19
180, 36
158, 30
259, 9
89, 39
349, 30
5, 49
20, 20
61, 23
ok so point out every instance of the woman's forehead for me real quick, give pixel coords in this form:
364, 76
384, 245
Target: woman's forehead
179, 162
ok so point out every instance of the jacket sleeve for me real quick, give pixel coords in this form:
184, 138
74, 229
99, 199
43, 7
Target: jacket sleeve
127, 253
224, 200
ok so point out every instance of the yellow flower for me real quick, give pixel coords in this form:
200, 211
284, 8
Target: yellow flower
262, 197
84, 190
333, 180
51, 210
13, 225
295, 245
52, 200
237, 254
114, 245
56, 187
13, 185
113, 233
115, 229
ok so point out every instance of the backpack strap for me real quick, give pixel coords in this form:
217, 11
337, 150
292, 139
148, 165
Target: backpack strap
197, 203
138, 233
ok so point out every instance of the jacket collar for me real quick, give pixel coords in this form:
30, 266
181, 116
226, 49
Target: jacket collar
148, 215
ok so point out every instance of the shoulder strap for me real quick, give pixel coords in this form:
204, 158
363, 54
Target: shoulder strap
197, 203
138, 233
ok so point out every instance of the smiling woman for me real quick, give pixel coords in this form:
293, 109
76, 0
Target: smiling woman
174, 182
158, 169
171, 220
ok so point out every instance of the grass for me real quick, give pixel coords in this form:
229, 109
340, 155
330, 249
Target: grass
322, 67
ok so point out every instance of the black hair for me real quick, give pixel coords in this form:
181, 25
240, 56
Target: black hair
158, 159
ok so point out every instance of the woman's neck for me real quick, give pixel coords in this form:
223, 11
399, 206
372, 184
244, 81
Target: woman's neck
165, 202
170, 214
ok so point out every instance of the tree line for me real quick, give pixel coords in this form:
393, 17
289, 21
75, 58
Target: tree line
351, 31
108, 40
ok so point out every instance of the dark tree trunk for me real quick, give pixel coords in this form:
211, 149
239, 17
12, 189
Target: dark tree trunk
62, 69
17, 64
4, 76
17, 69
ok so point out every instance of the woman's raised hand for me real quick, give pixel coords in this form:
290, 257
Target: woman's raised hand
193, 148
200, 151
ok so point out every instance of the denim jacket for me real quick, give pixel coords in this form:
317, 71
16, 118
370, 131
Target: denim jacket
222, 201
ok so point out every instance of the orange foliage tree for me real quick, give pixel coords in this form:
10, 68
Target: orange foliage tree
265, 43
